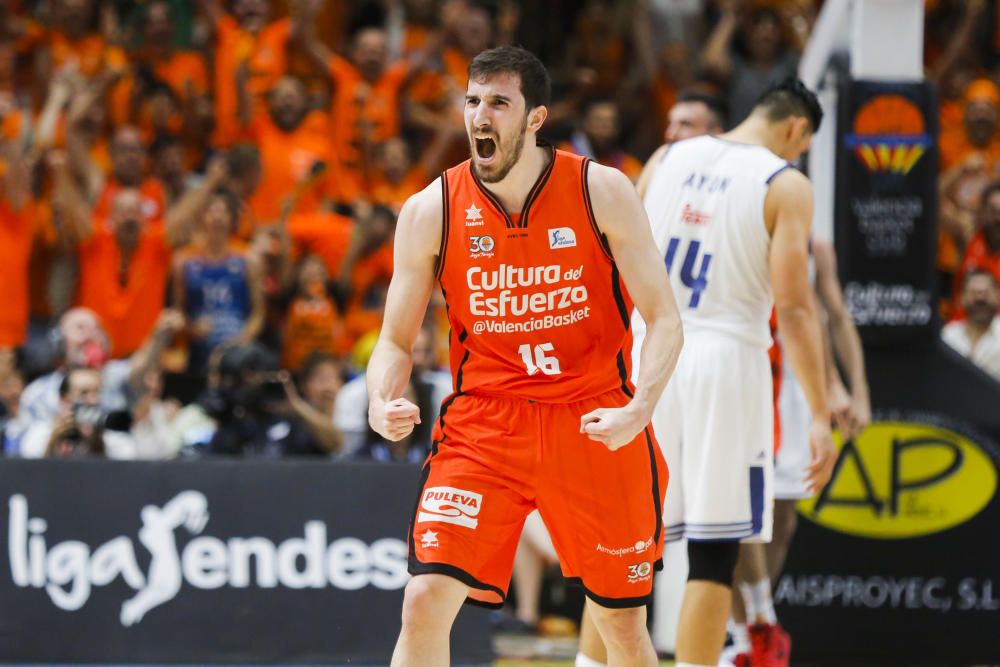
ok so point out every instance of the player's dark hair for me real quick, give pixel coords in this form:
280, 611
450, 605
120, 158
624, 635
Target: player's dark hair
535, 83
790, 98
716, 105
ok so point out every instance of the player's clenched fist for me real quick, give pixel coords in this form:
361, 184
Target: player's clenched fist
393, 420
612, 427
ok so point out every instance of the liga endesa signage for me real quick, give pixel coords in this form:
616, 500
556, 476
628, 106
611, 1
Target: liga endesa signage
208, 562
886, 207
897, 561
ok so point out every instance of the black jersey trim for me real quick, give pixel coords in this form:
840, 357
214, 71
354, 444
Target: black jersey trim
492, 199
616, 289
416, 567
617, 603
539, 184
602, 240
656, 485
458, 375
445, 224
532, 194
623, 373
425, 474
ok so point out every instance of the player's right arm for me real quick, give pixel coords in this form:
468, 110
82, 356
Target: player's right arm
788, 212
417, 242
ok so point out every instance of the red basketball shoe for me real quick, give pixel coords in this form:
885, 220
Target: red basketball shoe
770, 646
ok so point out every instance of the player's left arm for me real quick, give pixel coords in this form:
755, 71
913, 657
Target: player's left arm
622, 219
843, 334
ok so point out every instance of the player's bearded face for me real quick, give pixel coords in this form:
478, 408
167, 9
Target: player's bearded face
494, 153
496, 120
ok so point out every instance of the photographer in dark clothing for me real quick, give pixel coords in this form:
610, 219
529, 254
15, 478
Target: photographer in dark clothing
256, 414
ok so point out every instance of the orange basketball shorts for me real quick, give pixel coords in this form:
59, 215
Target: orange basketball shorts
494, 460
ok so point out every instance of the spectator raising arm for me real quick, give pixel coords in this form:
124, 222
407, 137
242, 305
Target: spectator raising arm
16, 182
258, 303
181, 216
83, 165
213, 11
146, 359
960, 42
60, 92
68, 201
715, 56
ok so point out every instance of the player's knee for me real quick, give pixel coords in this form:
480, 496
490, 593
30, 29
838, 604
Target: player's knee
426, 601
622, 628
712, 561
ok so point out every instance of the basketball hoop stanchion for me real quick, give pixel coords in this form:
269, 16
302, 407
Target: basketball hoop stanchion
898, 553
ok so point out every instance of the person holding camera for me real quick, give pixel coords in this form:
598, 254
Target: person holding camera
81, 427
259, 413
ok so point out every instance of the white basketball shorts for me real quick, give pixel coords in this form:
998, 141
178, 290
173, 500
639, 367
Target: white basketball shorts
715, 423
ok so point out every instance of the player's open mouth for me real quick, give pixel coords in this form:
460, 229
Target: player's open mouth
486, 147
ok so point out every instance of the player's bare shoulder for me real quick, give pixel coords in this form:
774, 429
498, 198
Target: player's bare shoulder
419, 227
615, 202
789, 196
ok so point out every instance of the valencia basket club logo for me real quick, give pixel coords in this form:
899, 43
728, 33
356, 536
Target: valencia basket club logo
889, 135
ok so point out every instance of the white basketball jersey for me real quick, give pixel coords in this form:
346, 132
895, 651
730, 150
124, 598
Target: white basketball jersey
705, 202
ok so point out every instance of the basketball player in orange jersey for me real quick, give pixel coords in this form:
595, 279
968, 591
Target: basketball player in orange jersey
540, 255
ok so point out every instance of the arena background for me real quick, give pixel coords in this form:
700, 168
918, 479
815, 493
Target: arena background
317, 119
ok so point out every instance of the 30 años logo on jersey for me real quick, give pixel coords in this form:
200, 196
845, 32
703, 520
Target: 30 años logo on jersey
889, 134
481, 246
904, 479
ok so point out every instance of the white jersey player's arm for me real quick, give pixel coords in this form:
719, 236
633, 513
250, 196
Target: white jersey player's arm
648, 169
843, 333
621, 217
788, 213
418, 240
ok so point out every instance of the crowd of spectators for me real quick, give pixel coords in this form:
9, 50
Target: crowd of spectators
198, 199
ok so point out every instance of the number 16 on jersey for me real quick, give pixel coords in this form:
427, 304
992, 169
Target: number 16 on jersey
696, 284
548, 365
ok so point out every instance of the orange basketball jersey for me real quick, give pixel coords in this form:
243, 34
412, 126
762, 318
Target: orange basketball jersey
535, 301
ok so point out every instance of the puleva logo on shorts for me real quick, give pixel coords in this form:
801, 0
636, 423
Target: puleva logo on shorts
450, 505
904, 479
562, 237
